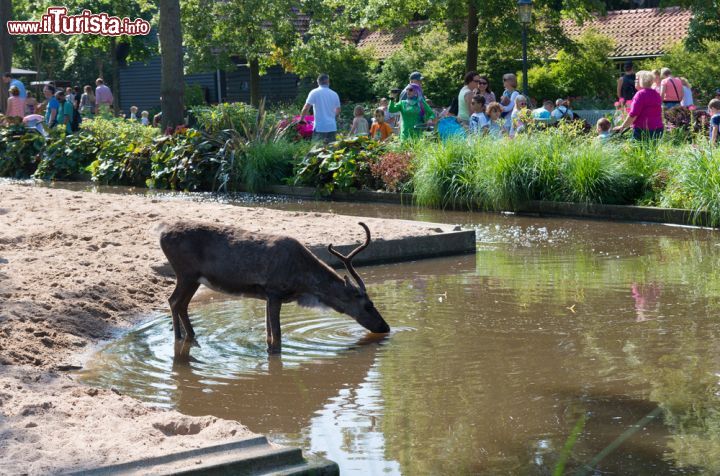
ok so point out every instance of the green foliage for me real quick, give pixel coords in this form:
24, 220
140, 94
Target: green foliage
194, 95
253, 124
268, 163
349, 68
107, 129
20, 151
583, 70
237, 115
441, 62
444, 74
66, 158
701, 68
188, 160
344, 165
695, 181
556, 165
124, 149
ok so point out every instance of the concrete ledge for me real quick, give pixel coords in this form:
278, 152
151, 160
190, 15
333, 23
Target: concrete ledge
675, 216
404, 249
359, 196
251, 456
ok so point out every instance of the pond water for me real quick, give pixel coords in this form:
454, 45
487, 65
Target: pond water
584, 345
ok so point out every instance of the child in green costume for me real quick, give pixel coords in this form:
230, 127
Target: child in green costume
414, 110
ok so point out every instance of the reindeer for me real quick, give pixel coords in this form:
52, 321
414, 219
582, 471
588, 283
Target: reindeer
278, 269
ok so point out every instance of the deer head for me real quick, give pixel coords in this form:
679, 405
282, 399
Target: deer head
355, 300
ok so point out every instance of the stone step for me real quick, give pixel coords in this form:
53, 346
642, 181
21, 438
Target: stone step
320, 467
251, 456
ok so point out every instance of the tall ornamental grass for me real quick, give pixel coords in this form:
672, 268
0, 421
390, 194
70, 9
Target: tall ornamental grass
694, 182
500, 174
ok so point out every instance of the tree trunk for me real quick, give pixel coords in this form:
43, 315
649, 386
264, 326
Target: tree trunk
254, 82
172, 85
6, 47
472, 37
115, 76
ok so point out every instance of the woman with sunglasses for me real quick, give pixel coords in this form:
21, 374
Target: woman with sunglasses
414, 111
483, 88
465, 97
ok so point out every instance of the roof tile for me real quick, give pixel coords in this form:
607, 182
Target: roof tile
642, 32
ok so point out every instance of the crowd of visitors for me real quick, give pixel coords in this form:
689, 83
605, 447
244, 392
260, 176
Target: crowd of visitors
643, 96
477, 110
64, 108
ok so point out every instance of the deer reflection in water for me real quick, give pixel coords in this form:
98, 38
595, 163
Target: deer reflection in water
281, 399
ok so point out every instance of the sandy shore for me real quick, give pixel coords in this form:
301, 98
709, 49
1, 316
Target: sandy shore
75, 269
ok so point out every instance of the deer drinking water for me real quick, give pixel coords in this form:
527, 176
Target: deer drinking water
278, 269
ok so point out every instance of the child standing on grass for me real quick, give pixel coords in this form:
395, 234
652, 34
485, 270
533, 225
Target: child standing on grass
380, 130
714, 110
145, 118
603, 129
360, 126
133, 113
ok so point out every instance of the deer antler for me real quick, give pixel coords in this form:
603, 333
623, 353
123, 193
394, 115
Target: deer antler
347, 260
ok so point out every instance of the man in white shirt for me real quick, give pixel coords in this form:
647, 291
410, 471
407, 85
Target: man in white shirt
326, 107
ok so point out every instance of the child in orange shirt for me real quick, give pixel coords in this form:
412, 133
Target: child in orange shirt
380, 130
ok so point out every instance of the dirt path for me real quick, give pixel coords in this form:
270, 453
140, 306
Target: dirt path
77, 267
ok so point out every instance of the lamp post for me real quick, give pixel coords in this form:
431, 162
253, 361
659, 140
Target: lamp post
525, 13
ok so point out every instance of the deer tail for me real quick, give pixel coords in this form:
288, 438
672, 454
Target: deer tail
157, 229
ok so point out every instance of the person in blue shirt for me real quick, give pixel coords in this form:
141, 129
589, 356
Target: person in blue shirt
8, 79
53, 106
544, 114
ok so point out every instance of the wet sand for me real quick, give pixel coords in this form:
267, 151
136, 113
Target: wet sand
78, 268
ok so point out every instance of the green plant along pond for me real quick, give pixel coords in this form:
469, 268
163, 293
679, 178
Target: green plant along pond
535, 356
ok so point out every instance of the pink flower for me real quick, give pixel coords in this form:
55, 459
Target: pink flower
617, 103
692, 108
622, 100
628, 104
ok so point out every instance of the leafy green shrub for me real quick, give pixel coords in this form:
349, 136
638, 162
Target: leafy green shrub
194, 95
441, 61
252, 124
342, 165
123, 151
349, 68
444, 74
106, 129
237, 115
20, 151
581, 71
67, 158
191, 160
122, 161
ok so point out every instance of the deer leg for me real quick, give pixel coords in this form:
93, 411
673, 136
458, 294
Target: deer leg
272, 324
179, 301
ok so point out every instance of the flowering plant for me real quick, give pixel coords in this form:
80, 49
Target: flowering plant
394, 169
